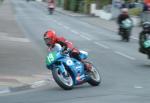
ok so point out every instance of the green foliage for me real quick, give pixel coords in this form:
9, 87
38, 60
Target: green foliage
89, 1
135, 11
127, 1
66, 4
82, 6
73, 5
104, 3
1, 1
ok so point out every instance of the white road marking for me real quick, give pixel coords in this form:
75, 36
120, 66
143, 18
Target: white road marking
6, 90
75, 32
134, 38
15, 39
60, 24
84, 33
138, 87
39, 83
102, 45
85, 37
55, 21
125, 55
66, 27
3, 34
87, 25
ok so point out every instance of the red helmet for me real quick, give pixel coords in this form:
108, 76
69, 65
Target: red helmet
50, 38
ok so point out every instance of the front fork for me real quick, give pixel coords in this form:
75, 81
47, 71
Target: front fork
62, 70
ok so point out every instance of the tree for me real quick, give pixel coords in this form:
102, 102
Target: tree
101, 3
66, 4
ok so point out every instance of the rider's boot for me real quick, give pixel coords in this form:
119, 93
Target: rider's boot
87, 65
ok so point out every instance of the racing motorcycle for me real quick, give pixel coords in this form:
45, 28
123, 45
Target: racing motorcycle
125, 29
146, 48
51, 8
147, 43
144, 39
68, 72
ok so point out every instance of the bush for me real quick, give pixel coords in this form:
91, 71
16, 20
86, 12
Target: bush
67, 4
104, 3
135, 11
72, 5
1, 1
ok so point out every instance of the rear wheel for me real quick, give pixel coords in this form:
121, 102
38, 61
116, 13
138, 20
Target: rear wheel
127, 35
51, 10
65, 82
95, 78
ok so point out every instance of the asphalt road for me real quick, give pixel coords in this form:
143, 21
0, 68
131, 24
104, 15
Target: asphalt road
125, 72
20, 59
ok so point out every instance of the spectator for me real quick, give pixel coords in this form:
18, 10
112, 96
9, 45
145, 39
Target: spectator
51, 6
148, 7
145, 7
124, 5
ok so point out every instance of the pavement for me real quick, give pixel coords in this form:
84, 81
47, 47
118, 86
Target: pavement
15, 83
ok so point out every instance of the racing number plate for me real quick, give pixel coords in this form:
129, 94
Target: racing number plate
147, 44
50, 58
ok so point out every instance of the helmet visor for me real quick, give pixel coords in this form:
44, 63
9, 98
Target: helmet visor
47, 41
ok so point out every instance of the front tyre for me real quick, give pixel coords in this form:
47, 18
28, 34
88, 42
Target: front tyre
95, 78
51, 10
65, 82
127, 35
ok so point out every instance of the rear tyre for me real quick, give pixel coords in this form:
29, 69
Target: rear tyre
95, 78
65, 82
127, 34
51, 10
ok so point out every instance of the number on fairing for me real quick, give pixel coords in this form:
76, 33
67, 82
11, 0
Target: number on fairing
50, 58
147, 44
69, 62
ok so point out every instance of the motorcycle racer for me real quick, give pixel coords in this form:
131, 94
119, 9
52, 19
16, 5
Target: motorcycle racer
144, 35
125, 24
51, 6
51, 40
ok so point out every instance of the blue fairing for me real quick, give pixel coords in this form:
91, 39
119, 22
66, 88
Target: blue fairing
75, 67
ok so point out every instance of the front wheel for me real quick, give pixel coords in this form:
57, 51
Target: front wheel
126, 35
95, 78
65, 82
51, 10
